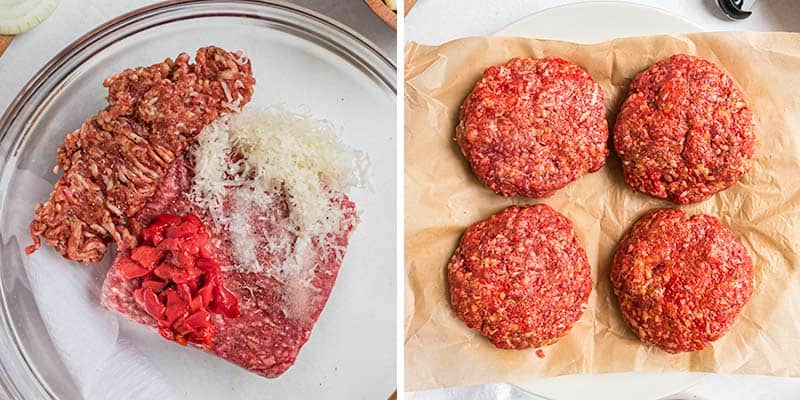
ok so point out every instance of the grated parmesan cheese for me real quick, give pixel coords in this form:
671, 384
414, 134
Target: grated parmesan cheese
245, 162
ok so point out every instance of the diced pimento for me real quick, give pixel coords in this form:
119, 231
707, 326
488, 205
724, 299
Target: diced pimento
179, 279
154, 233
152, 304
130, 269
147, 256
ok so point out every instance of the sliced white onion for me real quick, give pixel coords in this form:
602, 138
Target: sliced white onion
392, 4
17, 16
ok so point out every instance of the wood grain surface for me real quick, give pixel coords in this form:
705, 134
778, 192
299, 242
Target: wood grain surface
409, 5
383, 11
5, 40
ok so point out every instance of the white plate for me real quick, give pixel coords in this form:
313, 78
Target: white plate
600, 21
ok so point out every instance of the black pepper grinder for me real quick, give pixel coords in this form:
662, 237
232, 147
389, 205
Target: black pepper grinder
733, 9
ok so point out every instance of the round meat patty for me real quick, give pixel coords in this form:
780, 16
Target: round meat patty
684, 132
681, 280
532, 126
520, 277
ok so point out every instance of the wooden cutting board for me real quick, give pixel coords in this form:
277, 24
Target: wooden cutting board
5, 40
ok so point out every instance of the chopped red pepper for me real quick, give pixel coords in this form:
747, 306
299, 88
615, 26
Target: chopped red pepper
180, 283
130, 269
147, 256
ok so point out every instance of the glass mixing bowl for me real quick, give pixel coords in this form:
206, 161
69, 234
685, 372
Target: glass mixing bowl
301, 60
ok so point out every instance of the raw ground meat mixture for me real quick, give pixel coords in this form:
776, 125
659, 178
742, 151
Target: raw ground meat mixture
520, 277
680, 280
684, 132
113, 162
276, 316
532, 126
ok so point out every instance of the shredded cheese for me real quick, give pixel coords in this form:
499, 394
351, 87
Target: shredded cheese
245, 162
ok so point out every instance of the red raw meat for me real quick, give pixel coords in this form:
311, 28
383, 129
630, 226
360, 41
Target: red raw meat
276, 315
114, 161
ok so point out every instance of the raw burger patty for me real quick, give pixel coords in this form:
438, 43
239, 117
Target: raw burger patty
681, 280
520, 277
532, 126
276, 317
684, 132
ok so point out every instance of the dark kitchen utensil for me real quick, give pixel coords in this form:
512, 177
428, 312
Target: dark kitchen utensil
733, 9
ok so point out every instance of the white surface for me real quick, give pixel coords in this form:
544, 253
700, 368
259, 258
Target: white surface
350, 353
73, 18
638, 386
66, 303
425, 24
437, 21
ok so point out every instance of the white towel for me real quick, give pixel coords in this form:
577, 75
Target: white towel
103, 365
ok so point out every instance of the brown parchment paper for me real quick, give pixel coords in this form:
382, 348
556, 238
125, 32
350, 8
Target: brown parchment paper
442, 197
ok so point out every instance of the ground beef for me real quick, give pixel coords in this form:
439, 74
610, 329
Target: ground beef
684, 132
532, 126
277, 314
113, 162
680, 280
520, 277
